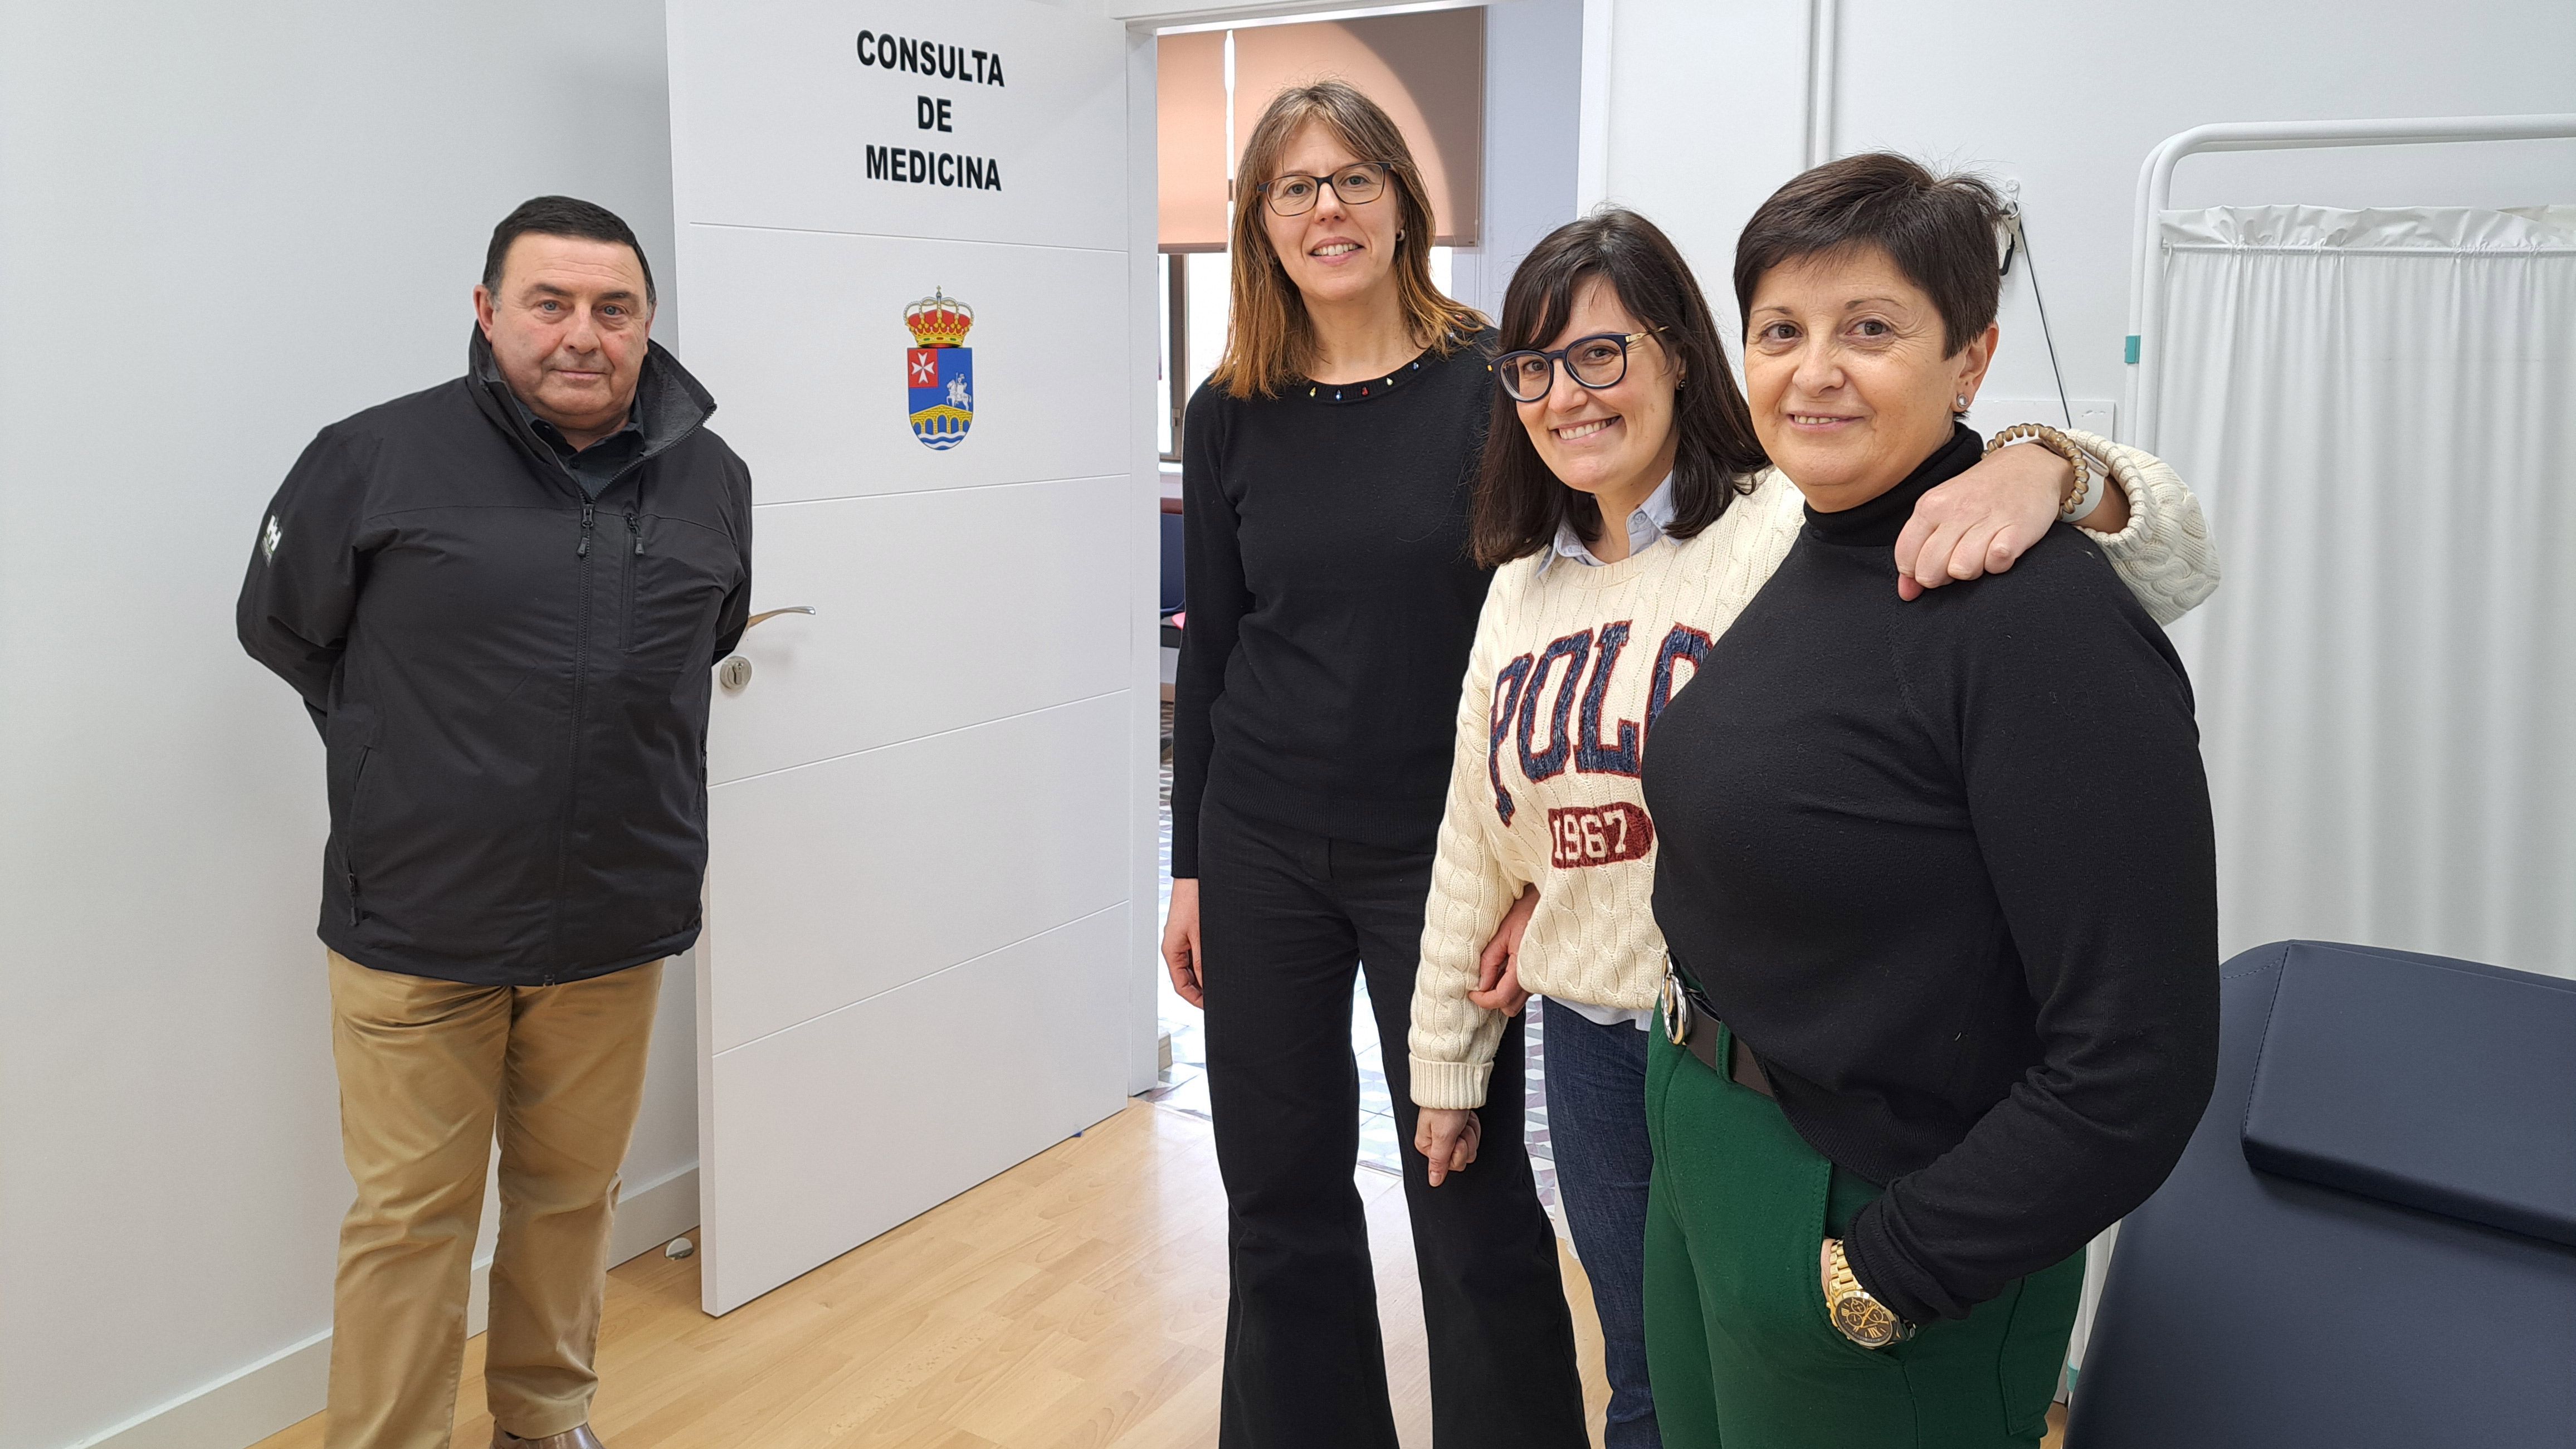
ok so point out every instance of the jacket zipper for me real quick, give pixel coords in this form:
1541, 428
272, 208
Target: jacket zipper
349, 841
580, 681
626, 615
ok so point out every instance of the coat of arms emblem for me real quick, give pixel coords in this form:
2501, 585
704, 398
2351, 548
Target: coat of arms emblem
941, 369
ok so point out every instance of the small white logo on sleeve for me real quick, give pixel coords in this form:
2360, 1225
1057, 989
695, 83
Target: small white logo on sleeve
268, 538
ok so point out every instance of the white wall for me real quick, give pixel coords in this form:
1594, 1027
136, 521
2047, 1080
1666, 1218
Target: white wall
221, 227
1707, 116
1533, 75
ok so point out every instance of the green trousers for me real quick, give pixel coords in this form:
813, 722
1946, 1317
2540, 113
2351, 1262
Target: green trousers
1737, 1340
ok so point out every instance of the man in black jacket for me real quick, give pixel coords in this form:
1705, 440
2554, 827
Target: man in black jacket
501, 599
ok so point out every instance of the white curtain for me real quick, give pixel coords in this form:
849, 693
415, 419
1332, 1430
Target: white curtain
2379, 408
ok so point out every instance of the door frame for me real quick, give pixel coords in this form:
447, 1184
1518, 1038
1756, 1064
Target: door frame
1147, 21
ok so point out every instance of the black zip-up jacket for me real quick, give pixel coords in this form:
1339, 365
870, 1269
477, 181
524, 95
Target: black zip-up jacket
511, 678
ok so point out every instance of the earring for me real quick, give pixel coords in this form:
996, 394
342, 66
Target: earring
1962, 401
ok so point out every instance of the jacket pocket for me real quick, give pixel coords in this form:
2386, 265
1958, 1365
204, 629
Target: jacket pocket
675, 587
345, 825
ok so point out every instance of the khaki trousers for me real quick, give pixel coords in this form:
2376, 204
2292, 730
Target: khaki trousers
428, 1071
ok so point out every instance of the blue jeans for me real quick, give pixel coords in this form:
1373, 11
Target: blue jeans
1596, 1125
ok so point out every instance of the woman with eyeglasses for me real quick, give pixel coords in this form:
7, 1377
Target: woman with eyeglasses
1618, 500
1325, 466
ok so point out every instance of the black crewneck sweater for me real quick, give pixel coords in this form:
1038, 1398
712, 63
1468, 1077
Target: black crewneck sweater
1331, 601
1947, 869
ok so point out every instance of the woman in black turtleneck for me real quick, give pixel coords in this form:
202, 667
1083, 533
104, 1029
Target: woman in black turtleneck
1938, 883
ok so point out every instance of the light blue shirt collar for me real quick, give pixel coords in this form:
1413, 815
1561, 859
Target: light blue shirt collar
1645, 526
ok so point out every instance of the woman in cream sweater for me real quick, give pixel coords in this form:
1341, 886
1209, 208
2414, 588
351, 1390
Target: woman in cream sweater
1627, 503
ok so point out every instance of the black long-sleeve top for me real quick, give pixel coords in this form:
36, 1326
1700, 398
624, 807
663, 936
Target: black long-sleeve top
1331, 601
1947, 868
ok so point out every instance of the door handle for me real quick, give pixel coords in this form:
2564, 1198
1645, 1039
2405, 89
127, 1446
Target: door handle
735, 672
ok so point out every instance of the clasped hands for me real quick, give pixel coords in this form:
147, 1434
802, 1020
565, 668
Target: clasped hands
1449, 1136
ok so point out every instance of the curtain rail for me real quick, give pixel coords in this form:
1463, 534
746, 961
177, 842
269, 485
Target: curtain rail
2155, 191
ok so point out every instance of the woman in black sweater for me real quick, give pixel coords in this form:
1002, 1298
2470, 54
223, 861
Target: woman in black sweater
1326, 466
1938, 884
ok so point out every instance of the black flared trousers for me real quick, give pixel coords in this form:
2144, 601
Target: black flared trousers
1285, 918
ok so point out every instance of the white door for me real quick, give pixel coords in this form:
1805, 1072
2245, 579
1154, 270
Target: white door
904, 262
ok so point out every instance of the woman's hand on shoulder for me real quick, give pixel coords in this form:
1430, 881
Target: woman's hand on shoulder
1498, 971
1448, 1137
1982, 521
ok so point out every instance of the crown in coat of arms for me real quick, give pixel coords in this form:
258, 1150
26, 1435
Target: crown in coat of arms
938, 320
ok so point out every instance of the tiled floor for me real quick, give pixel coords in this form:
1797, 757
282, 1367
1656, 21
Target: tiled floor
1184, 1084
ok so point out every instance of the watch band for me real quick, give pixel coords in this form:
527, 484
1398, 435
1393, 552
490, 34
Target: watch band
1855, 1313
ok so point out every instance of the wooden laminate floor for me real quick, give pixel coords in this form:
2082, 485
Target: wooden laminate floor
1077, 1300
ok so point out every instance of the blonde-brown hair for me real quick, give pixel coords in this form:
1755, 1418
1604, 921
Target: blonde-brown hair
1269, 340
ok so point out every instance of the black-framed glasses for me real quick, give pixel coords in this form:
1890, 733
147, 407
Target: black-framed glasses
1295, 194
1596, 361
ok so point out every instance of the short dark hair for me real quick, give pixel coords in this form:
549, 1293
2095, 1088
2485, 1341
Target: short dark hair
1940, 230
562, 216
1519, 502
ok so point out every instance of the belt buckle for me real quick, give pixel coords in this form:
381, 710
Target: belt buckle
1677, 1010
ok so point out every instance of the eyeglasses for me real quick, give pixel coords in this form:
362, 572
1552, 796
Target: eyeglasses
1357, 184
1596, 362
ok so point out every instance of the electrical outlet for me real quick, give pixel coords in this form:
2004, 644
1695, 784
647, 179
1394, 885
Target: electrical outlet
2092, 415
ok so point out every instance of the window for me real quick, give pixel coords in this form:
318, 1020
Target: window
1428, 71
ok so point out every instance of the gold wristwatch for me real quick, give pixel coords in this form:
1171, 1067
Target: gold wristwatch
1857, 1316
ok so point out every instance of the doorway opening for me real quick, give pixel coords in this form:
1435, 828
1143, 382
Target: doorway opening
1439, 77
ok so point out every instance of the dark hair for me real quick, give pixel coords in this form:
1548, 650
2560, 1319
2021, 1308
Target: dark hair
562, 216
1519, 502
1939, 230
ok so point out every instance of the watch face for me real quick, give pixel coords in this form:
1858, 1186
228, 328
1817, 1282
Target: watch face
1864, 1322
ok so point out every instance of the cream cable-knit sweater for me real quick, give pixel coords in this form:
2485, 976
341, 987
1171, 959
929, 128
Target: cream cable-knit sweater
1569, 670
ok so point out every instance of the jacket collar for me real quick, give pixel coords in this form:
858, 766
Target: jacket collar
669, 403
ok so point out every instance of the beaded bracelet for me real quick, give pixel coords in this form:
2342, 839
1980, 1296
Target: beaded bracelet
2055, 442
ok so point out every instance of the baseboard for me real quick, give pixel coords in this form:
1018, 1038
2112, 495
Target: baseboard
251, 1403
654, 1214
241, 1408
